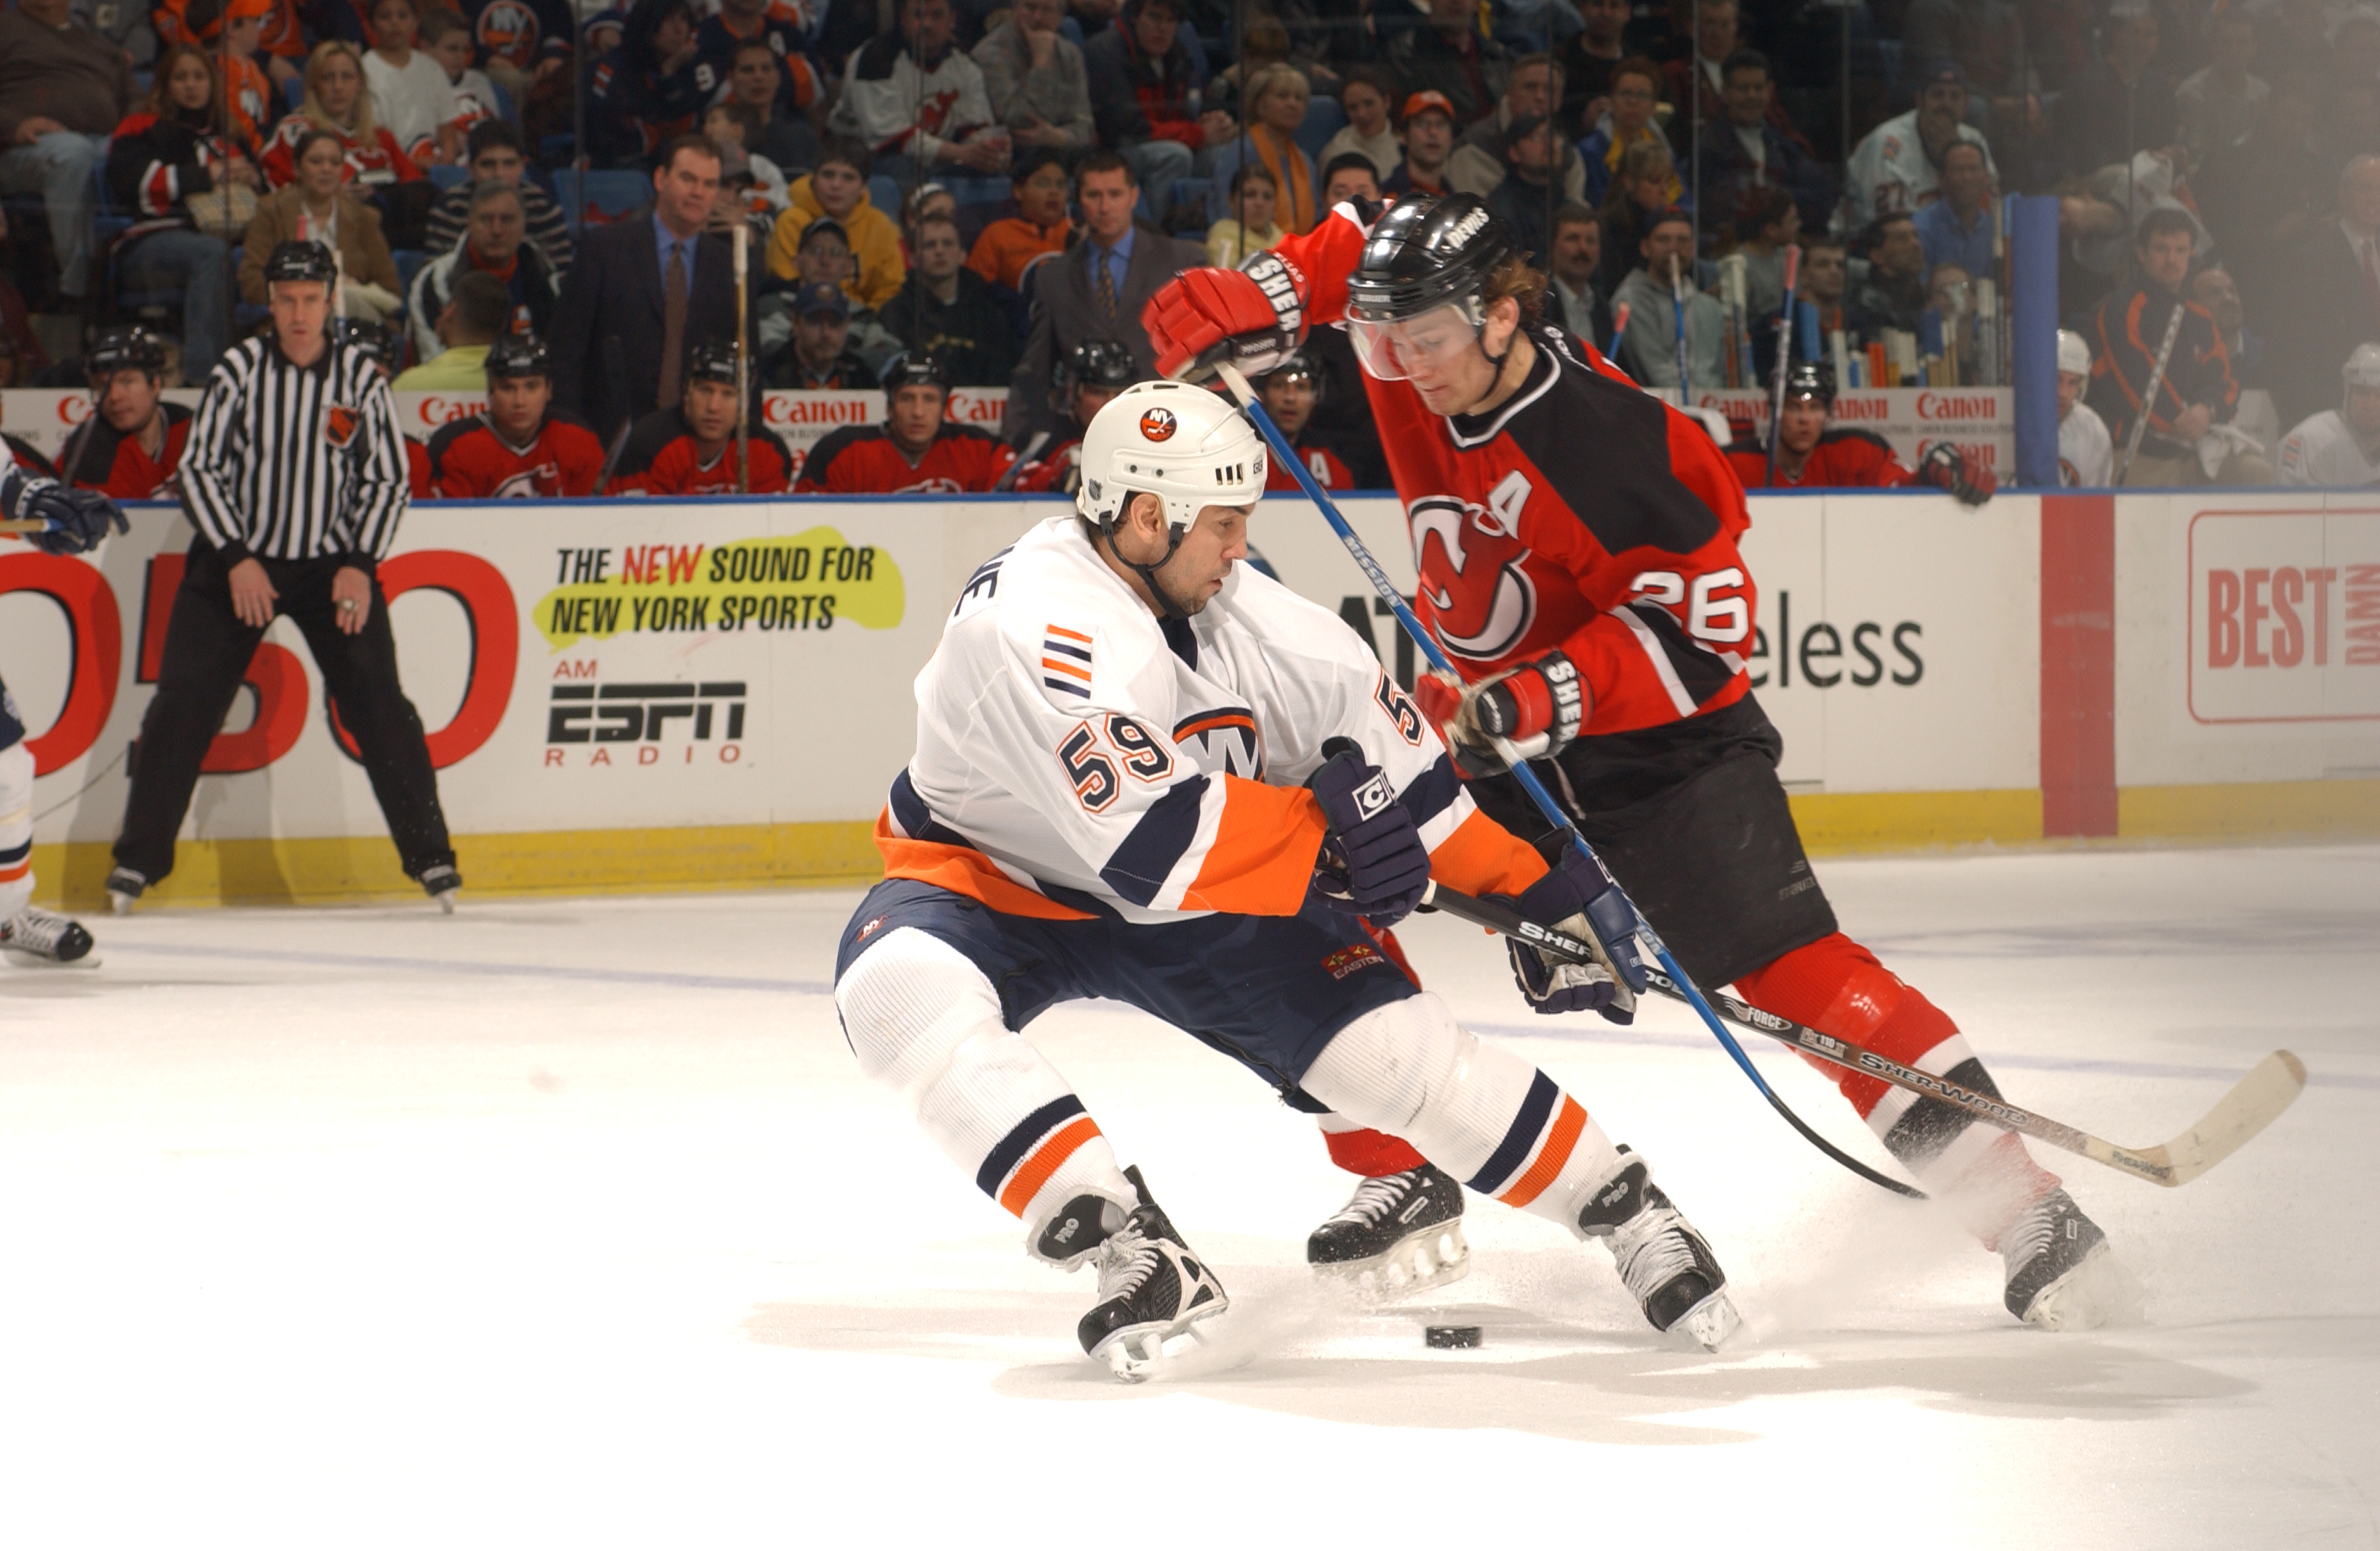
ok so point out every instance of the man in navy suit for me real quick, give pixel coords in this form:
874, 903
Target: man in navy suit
642, 293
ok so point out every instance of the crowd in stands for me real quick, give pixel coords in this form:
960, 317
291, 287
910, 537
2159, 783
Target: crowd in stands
946, 194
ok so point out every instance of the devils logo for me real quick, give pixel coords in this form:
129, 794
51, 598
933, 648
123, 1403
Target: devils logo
1475, 597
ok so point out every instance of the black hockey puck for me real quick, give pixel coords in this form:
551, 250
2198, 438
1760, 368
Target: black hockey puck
1450, 1334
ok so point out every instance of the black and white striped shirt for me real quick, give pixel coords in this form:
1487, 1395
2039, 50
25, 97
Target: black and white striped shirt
296, 463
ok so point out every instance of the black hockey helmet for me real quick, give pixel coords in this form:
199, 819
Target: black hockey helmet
381, 341
921, 368
1426, 253
1101, 363
124, 347
521, 355
300, 260
1299, 362
1811, 380
711, 362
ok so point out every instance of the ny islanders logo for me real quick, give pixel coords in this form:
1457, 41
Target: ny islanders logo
1157, 425
1480, 600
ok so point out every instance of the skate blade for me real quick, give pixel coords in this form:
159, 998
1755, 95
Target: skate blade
1145, 1351
446, 900
2099, 1290
120, 904
1710, 1323
1430, 1257
23, 960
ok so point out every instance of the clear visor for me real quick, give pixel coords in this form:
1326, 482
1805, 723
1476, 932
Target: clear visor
1429, 344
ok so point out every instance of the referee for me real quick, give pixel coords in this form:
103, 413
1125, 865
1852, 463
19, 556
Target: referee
295, 476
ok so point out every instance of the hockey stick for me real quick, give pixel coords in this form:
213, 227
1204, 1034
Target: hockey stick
2254, 1103
1678, 315
743, 354
1007, 481
23, 525
1526, 777
2148, 400
1784, 357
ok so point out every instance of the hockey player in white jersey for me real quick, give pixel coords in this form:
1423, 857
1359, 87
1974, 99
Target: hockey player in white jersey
2339, 449
2086, 454
75, 520
1130, 782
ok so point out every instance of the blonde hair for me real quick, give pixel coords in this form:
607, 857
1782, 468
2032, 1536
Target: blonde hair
1514, 278
364, 124
1272, 79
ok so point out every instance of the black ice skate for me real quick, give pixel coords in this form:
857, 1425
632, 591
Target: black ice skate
1663, 1261
1398, 1234
42, 938
123, 888
1152, 1292
2061, 1274
443, 884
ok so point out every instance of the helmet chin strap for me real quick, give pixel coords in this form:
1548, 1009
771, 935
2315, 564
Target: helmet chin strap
1166, 607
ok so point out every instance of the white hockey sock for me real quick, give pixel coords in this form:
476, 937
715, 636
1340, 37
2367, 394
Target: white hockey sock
16, 828
923, 1019
1473, 1109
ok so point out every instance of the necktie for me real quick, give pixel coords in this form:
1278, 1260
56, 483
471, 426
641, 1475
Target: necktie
2372, 271
672, 324
1106, 284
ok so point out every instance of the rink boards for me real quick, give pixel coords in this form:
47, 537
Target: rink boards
642, 694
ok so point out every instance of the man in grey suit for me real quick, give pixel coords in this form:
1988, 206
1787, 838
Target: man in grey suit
1094, 290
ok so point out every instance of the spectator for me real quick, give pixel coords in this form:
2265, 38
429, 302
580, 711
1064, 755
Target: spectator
1288, 392
1485, 150
1525, 196
647, 91
2086, 454
475, 315
1448, 53
1648, 350
1638, 194
492, 156
160, 158
1251, 228
1143, 94
495, 244
755, 77
446, 38
1763, 233
522, 44
689, 449
2326, 295
1958, 229
228, 35
946, 310
1746, 156
1008, 248
1897, 167
2339, 449
2222, 104
1277, 99
823, 256
1810, 451
2120, 102
1717, 43
1096, 290
1427, 130
917, 449
2354, 55
760, 192
2293, 36
63, 90
642, 293
1036, 79
839, 189
2213, 290
1826, 276
1578, 252
410, 95
1588, 61
1093, 373
1348, 178
2196, 398
2268, 193
1263, 42
924, 199
1365, 97
519, 447
128, 27
1635, 93
1893, 295
918, 103
820, 356
1330, 40
336, 104
132, 442
321, 206
736, 25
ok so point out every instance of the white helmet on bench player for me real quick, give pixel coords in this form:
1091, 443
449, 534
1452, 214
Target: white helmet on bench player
2360, 370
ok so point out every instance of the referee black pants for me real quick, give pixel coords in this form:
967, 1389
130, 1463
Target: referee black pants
207, 650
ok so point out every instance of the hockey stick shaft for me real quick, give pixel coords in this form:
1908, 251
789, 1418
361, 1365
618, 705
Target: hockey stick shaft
1527, 779
1678, 316
2245, 1111
742, 357
1784, 357
2148, 400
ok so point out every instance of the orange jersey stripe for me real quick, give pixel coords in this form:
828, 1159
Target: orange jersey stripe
1262, 859
1035, 1171
10, 875
1209, 723
1073, 670
1482, 857
1559, 1140
964, 870
1070, 634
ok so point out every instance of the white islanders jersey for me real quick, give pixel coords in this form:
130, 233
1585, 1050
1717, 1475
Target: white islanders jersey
2324, 452
2086, 454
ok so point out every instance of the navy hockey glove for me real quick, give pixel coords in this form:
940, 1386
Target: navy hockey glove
79, 519
1579, 898
1537, 708
1374, 865
1951, 469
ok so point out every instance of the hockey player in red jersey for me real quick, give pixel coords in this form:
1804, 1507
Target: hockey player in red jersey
1288, 392
689, 449
133, 440
1810, 454
381, 344
917, 451
519, 445
1576, 543
1093, 373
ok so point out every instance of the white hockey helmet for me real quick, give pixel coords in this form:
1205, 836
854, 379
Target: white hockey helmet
1185, 445
2362, 369
2072, 354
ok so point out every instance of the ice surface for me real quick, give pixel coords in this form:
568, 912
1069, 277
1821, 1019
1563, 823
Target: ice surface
569, 1224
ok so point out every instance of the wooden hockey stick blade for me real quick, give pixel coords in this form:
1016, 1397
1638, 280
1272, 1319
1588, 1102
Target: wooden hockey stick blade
23, 525
2254, 1103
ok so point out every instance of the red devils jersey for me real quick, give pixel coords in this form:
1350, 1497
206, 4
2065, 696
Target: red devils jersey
375, 161
662, 457
862, 460
1320, 462
106, 459
1842, 457
1057, 472
470, 460
1580, 516
417, 468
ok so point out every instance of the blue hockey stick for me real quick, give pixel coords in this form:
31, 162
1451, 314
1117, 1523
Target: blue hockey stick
1681, 985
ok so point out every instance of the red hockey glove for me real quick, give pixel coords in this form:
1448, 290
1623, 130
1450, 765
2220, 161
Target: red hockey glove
1253, 311
1963, 475
1537, 708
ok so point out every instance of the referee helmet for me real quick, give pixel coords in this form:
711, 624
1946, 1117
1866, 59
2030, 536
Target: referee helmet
300, 260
